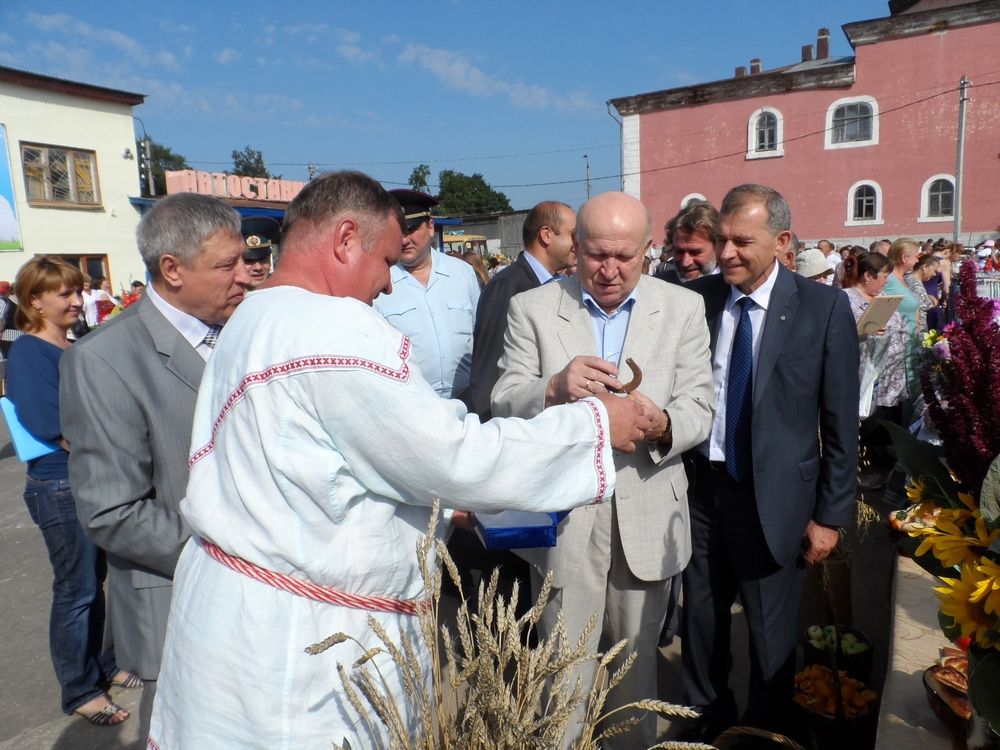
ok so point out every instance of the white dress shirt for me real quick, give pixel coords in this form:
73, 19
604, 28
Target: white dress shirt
188, 326
715, 446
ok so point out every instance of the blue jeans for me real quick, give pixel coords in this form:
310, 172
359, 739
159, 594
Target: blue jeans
76, 624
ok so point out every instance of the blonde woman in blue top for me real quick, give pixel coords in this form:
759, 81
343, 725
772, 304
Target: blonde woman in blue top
903, 255
49, 302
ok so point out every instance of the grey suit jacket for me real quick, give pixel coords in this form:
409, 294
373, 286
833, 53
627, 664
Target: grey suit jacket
127, 397
669, 340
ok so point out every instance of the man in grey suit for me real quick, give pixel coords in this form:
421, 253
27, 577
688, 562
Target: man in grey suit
776, 479
127, 396
567, 340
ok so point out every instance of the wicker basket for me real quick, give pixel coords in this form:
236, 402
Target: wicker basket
734, 734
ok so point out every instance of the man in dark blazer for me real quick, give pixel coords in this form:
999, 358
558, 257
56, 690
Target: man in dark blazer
775, 481
549, 249
549, 246
127, 397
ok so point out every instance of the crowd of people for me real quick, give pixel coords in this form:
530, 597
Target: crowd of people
254, 470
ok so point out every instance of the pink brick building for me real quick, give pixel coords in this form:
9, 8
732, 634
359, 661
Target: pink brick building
863, 147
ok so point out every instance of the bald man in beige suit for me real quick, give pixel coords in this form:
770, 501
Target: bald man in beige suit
568, 339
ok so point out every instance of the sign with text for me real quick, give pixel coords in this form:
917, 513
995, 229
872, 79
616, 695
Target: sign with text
223, 185
10, 230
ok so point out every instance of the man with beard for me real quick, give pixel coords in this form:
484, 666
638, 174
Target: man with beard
691, 234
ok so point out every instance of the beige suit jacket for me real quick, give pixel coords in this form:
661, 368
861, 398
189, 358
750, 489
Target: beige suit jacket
668, 338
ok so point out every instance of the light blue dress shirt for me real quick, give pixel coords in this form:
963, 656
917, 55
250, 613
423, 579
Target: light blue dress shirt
609, 330
438, 319
544, 277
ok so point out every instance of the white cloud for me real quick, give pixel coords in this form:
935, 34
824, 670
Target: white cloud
75, 63
455, 71
346, 43
227, 55
62, 23
312, 63
173, 27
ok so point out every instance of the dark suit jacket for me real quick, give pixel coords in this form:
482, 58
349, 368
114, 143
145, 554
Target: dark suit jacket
127, 396
805, 407
491, 323
668, 273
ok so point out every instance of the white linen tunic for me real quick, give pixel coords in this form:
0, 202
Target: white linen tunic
317, 450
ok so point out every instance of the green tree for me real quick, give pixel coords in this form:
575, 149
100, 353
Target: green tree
418, 177
462, 194
163, 160
250, 163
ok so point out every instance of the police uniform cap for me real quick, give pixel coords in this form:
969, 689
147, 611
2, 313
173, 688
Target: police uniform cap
260, 233
416, 206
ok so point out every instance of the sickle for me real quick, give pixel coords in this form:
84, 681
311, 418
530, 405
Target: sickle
636, 376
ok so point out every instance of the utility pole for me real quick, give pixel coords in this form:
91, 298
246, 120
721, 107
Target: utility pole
963, 97
587, 159
149, 164
313, 171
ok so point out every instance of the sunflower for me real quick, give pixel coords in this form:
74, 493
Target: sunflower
950, 550
969, 501
915, 488
956, 602
987, 591
951, 544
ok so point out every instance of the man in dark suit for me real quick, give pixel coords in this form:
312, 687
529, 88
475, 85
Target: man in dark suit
775, 481
549, 249
127, 397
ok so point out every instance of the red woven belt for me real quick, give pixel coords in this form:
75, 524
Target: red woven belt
312, 590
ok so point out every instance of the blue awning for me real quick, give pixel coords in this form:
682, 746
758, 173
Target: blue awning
143, 204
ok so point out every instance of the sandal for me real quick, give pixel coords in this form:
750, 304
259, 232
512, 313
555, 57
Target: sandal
105, 717
128, 682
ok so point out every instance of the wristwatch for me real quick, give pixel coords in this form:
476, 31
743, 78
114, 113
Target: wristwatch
666, 437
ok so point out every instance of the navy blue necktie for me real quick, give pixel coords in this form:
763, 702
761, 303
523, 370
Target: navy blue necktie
739, 394
212, 336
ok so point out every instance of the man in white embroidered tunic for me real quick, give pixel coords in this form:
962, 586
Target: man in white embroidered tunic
317, 450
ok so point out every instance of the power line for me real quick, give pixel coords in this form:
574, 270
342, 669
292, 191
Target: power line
706, 160
741, 152
424, 161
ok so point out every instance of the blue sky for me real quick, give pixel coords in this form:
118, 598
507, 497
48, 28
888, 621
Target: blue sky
514, 90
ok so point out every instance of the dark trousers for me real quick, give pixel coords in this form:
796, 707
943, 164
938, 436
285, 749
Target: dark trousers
468, 554
730, 557
83, 665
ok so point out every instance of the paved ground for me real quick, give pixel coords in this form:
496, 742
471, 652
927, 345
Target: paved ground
30, 718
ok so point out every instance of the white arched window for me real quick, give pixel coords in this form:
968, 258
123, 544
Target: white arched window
937, 198
765, 134
864, 204
852, 122
692, 197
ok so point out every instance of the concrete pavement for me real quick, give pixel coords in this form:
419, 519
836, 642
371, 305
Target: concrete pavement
30, 718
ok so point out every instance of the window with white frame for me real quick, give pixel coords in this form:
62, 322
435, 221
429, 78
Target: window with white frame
852, 122
864, 204
765, 138
59, 176
937, 198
